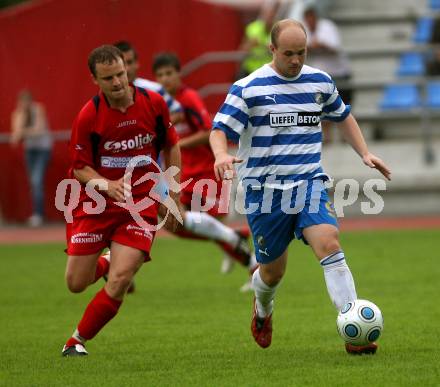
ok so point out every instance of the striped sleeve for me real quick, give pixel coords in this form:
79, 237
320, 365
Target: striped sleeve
173, 105
232, 118
334, 109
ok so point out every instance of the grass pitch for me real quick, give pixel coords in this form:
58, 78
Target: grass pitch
188, 325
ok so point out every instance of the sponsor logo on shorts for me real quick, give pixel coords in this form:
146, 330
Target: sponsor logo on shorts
137, 142
280, 120
121, 162
140, 231
263, 252
86, 237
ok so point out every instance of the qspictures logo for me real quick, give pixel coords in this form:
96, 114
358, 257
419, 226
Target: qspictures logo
292, 196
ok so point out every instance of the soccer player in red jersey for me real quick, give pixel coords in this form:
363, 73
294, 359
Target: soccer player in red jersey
119, 123
197, 162
202, 225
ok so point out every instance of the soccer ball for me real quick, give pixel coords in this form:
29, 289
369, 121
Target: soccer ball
360, 322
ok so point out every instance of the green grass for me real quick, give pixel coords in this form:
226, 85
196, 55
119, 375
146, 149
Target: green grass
189, 326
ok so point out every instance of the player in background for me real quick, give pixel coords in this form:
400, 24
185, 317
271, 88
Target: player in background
132, 65
201, 225
139, 119
275, 115
198, 163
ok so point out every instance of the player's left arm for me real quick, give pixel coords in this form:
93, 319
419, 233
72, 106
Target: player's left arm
199, 138
352, 133
198, 115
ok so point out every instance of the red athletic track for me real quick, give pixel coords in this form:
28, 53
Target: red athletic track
55, 233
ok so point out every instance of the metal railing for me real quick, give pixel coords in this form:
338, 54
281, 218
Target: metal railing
423, 113
212, 57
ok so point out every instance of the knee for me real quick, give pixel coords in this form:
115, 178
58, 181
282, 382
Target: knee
76, 285
271, 277
118, 283
330, 245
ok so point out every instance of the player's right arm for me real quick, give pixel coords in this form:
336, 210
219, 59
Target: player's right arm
200, 120
223, 166
81, 150
229, 123
115, 189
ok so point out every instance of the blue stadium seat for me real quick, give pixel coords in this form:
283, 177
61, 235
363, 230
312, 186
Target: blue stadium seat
400, 97
424, 29
433, 95
411, 64
434, 4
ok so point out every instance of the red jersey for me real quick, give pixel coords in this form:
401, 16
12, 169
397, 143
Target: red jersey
199, 160
106, 139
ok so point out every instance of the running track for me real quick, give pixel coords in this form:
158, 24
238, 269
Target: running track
55, 233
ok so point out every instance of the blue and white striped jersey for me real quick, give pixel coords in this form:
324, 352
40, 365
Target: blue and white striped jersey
173, 105
276, 121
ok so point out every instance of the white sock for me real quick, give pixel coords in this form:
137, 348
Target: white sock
340, 284
252, 262
264, 295
203, 224
77, 336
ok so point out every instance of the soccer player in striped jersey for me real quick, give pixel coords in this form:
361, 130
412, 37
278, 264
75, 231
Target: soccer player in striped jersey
274, 114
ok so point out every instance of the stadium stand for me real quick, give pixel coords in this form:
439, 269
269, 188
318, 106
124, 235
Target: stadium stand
433, 95
401, 96
411, 64
424, 30
388, 44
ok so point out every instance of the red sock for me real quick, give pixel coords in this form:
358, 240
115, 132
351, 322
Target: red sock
72, 341
102, 267
227, 248
189, 235
98, 313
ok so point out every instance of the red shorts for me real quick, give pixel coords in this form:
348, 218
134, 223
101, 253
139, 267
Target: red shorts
211, 197
90, 234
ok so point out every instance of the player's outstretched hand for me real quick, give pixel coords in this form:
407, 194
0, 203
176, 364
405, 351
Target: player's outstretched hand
375, 162
223, 166
118, 190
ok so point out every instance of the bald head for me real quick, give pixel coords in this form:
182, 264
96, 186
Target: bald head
288, 47
294, 29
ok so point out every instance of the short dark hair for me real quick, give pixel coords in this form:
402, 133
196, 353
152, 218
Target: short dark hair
125, 46
166, 59
280, 25
103, 54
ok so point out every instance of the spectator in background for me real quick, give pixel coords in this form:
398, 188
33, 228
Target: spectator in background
257, 39
29, 124
324, 51
433, 65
